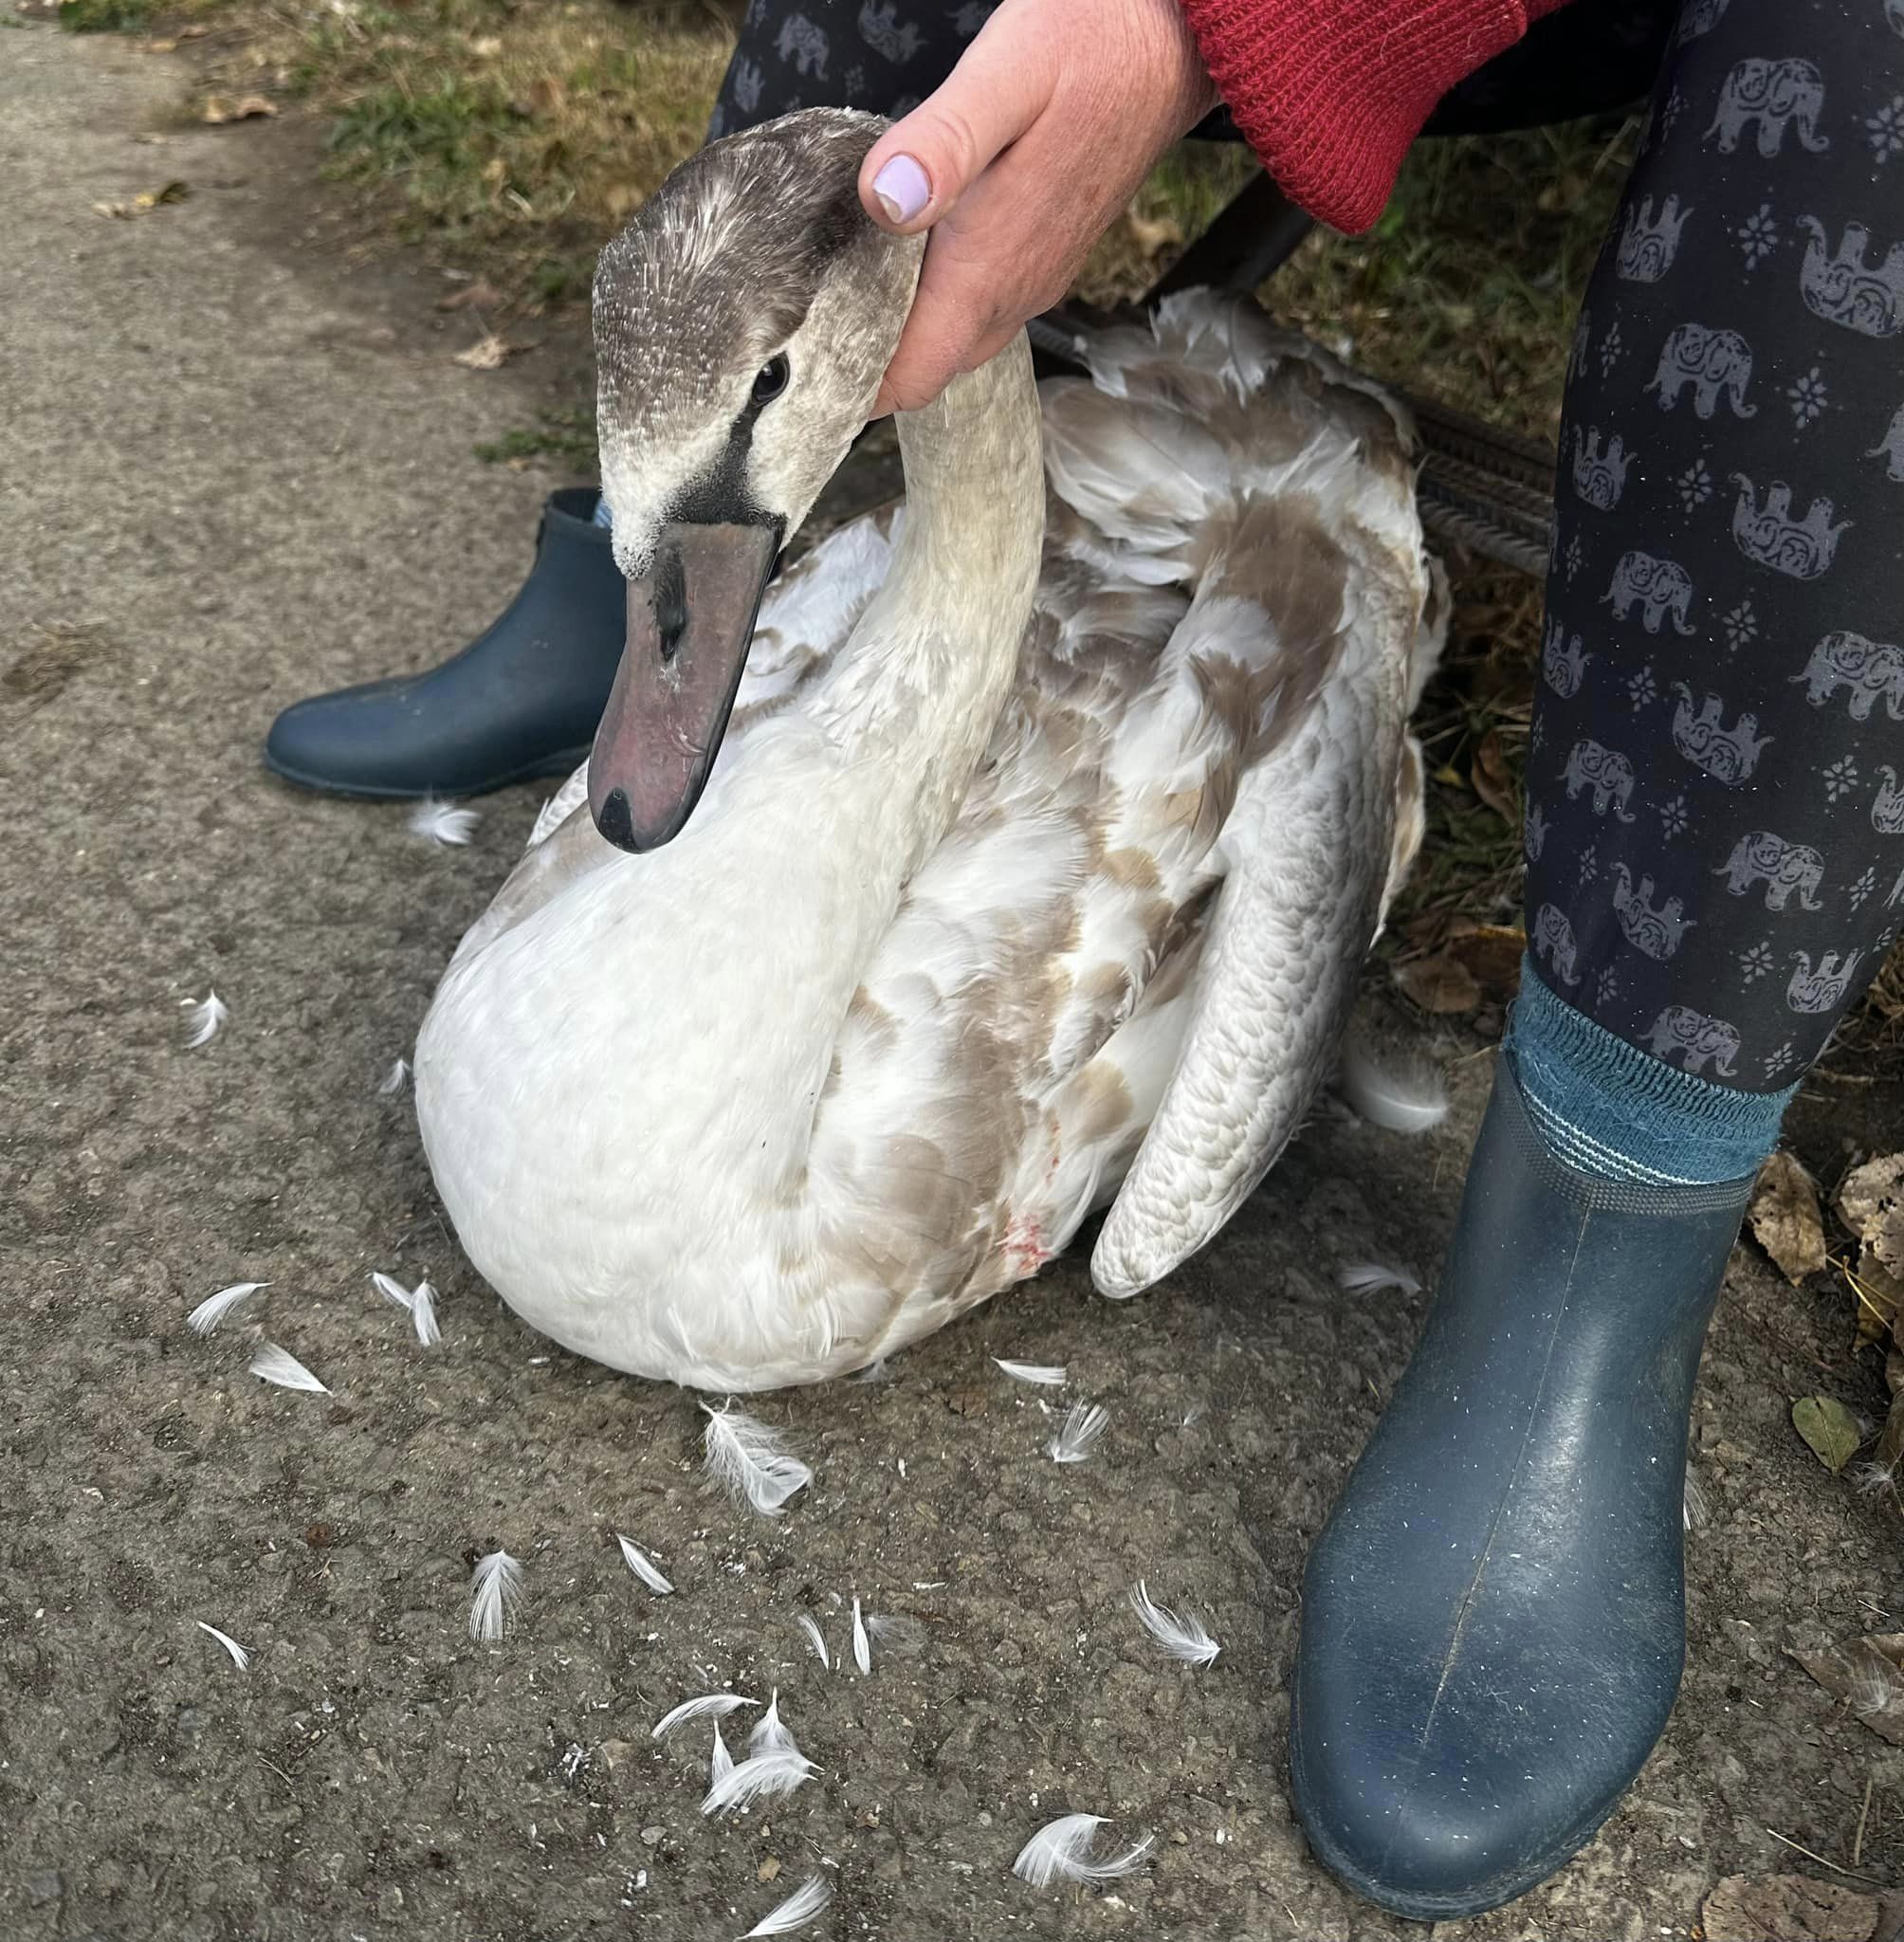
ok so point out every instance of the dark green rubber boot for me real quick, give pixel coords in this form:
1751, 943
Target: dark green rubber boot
520, 701
1493, 1618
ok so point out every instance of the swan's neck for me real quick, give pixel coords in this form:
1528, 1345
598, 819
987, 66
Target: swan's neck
781, 892
920, 687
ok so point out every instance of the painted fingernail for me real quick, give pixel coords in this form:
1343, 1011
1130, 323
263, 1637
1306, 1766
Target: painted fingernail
903, 189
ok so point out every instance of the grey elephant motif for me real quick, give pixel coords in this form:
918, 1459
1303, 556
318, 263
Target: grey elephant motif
1728, 755
1606, 772
1649, 243
803, 43
1775, 94
1887, 812
1761, 857
1869, 668
1845, 289
1553, 942
1533, 831
1700, 17
1563, 668
970, 18
1697, 1038
1599, 477
1895, 898
1768, 534
1892, 445
1656, 933
1819, 990
1893, 12
880, 29
747, 79
1712, 361
1657, 587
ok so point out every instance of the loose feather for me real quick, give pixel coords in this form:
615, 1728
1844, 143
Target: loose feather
419, 1302
719, 1704
721, 1763
214, 1307
423, 1312
771, 1734
497, 1596
393, 1080
1371, 1277
274, 1364
1407, 1098
240, 1657
1063, 1849
862, 1646
643, 1566
1078, 1439
443, 823
798, 1908
750, 1461
811, 1626
1052, 1374
207, 1015
760, 1777
1181, 1638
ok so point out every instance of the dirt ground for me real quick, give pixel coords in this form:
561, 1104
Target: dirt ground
232, 471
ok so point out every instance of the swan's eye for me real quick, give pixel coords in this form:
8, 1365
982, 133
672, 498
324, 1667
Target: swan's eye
772, 380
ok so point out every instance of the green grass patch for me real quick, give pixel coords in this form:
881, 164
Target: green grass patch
106, 16
569, 436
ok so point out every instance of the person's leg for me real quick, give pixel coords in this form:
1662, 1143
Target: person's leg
523, 699
1492, 1621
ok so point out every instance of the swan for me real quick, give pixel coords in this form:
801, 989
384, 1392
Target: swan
1038, 827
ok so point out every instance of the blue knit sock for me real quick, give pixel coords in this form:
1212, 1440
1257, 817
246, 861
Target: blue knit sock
602, 516
1609, 1108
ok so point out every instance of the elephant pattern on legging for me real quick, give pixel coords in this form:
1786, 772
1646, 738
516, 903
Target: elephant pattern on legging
1715, 827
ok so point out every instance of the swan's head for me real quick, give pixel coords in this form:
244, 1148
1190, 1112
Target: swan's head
742, 323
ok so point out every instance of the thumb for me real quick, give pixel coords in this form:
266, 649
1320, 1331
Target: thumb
921, 166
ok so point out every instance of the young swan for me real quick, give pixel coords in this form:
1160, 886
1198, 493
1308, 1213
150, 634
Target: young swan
1051, 820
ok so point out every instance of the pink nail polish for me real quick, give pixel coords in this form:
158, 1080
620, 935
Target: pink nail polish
903, 189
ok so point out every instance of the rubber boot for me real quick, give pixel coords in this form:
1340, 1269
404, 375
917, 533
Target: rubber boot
1493, 1618
522, 699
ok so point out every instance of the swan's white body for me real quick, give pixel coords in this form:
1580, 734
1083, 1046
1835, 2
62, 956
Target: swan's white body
984, 921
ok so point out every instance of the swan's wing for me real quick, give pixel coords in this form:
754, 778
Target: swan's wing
805, 615
1282, 487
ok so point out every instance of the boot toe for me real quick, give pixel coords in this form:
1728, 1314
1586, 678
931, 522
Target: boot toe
1440, 1790
365, 740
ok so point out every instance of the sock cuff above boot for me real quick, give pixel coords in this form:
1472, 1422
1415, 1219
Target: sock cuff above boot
1608, 1107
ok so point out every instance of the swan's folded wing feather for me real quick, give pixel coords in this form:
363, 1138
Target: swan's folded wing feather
1311, 849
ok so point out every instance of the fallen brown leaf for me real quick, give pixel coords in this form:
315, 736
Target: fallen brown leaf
1787, 1908
1492, 778
547, 97
1440, 984
1889, 1454
1880, 1294
147, 200
1829, 1428
1870, 1203
1493, 953
1868, 1675
488, 353
1786, 1219
481, 295
246, 108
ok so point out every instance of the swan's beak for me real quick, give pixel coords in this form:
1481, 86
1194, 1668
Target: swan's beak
690, 622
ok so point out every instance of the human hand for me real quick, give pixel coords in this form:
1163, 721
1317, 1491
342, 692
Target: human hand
1018, 163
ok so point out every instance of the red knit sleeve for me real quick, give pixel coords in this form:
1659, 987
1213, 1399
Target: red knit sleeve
1329, 93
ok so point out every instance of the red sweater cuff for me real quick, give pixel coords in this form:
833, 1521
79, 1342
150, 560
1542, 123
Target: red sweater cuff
1331, 93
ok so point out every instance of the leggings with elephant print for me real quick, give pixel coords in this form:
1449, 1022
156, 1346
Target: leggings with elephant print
1714, 828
